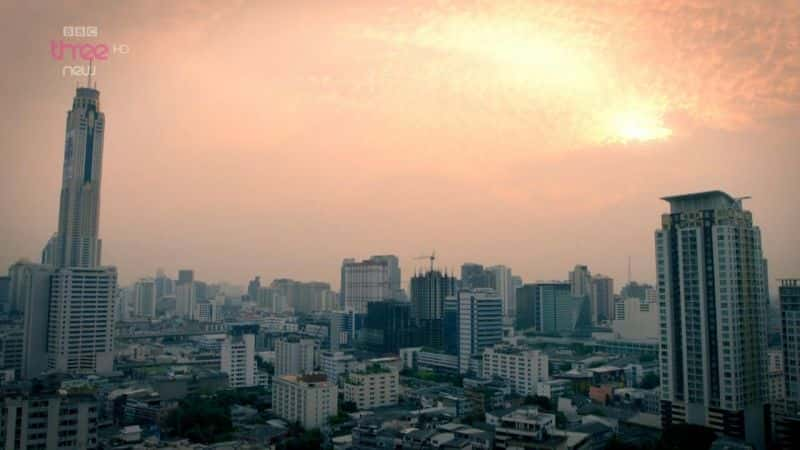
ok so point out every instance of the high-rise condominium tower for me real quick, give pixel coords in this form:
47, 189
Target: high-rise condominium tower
712, 312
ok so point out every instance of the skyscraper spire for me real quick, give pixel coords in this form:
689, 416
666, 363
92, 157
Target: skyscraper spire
89, 81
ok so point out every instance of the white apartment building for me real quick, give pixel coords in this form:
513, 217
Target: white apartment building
336, 364
373, 386
238, 359
50, 420
521, 369
309, 399
635, 319
144, 298
80, 336
294, 355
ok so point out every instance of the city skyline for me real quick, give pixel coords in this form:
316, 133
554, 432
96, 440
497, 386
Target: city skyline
262, 194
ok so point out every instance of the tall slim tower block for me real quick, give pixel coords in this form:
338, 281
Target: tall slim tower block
76, 244
712, 314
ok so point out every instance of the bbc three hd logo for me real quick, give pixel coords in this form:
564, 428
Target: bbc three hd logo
81, 57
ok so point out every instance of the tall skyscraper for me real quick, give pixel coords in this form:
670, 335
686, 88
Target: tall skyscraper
371, 280
713, 316
76, 244
428, 292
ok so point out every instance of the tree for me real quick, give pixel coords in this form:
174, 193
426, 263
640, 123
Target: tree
349, 407
683, 436
200, 420
306, 440
540, 401
650, 381
647, 357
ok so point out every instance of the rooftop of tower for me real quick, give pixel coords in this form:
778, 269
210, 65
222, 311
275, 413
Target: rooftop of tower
87, 92
699, 201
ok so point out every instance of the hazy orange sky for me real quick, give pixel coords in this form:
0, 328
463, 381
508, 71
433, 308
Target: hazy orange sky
278, 137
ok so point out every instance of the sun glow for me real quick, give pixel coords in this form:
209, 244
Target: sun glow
637, 126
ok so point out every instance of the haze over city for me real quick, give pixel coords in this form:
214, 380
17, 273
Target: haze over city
277, 138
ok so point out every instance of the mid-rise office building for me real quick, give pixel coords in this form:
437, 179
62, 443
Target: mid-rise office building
47, 417
521, 369
294, 355
713, 316
372, 386
480, 323
307, 399
559, 310
389, 326
529, 315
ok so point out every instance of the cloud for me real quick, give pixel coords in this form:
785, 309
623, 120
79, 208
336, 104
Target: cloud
568, 69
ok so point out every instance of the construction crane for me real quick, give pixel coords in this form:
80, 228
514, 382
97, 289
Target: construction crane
432, 257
